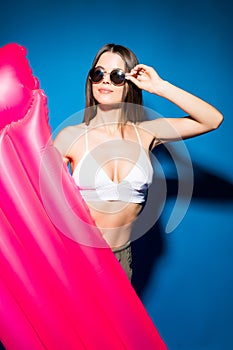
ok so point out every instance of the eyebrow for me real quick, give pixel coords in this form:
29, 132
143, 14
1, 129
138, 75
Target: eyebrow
123, 70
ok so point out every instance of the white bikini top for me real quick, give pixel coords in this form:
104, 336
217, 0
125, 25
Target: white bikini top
95, 184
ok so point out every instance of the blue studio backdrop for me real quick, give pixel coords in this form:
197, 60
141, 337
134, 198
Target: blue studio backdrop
184, 277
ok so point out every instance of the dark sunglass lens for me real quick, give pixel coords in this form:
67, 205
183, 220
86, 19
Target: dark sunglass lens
117, 77
96, 74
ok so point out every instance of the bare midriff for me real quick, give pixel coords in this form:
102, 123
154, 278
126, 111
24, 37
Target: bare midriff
114, 219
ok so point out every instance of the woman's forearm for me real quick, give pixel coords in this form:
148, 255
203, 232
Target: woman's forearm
196, 108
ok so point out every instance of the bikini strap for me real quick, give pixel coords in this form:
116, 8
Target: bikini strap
138, 136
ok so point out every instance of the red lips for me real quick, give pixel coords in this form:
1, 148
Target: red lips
104, 91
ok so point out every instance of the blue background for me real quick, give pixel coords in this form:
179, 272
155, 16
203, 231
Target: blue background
184, 278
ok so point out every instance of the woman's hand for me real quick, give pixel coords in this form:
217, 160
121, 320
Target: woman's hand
146, 78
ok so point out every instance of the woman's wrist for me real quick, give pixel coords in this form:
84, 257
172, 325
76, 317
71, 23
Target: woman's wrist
160, 88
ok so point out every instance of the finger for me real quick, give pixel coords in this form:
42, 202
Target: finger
137, 72
132, 79
141, 66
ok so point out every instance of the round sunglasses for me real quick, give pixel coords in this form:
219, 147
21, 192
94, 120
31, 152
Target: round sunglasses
117, 76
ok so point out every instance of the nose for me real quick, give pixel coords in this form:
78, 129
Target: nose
106, 78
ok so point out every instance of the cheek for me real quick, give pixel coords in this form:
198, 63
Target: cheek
120, 93
94, 91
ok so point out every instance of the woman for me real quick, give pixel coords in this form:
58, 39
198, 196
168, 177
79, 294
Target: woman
109, 152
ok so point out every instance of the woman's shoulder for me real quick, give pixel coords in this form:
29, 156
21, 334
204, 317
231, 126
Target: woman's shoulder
71, 131
148, 137
68, 136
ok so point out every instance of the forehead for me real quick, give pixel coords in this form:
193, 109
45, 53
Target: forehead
110, 60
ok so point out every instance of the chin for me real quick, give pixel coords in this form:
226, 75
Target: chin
107, 100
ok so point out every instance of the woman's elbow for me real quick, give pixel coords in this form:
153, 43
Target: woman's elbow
214, 121
217, 121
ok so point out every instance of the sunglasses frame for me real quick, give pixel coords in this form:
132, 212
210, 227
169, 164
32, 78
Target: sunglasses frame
110, 75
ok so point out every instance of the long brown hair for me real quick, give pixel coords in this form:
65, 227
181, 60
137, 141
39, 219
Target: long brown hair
132, 96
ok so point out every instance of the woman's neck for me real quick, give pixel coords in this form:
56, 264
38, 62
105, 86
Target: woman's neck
108, 117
